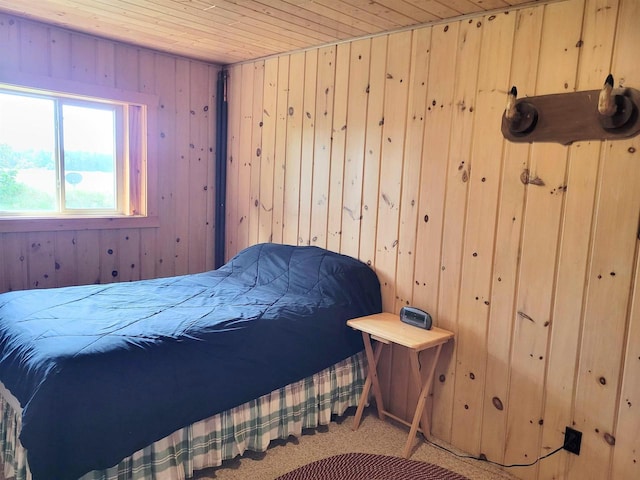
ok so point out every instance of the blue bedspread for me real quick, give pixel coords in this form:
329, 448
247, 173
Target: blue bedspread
104, 370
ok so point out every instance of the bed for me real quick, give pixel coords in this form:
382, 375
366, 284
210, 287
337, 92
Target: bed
102, 381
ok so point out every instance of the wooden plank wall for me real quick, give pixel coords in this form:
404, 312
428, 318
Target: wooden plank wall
389, 149
181, 142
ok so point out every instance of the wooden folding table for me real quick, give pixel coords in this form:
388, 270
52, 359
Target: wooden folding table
386, 328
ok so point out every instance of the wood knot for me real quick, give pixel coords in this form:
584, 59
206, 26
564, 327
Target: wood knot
527, 179
525, 316
610, 439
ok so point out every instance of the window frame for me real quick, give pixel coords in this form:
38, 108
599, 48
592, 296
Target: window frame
122, 161
139, 174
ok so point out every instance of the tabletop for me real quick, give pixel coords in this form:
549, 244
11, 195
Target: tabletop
389, 327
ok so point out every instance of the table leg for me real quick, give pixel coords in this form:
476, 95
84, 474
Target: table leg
372, 380
422, 401
414, 358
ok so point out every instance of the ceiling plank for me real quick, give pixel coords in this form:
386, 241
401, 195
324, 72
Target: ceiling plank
438, 8
233, 31
410, 10
381, 21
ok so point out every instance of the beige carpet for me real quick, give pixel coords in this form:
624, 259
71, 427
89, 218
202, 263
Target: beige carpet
373, 436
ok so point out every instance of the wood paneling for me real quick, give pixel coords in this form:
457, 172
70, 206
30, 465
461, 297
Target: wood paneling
427, 170
292, 167
506, 265
538, 280
181, 140
337, 147
479, 238
230, 31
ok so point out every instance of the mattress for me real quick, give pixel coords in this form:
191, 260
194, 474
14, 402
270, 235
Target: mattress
100, 371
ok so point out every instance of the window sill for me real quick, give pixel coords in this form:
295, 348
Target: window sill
44, 224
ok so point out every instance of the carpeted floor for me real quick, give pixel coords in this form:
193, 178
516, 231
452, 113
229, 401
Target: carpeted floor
373, 436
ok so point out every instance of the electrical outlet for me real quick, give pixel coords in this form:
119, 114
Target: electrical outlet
572, 440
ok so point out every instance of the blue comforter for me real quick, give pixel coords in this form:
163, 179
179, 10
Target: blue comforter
104, 370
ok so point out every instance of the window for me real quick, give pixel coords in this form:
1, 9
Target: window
64, 155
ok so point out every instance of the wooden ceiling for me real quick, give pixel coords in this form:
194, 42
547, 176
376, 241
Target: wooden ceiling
232, 31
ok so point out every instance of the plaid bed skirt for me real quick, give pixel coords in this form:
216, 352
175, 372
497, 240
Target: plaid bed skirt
284, 412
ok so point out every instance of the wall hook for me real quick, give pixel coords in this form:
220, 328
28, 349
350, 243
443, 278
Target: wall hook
604, 114
615, 109
511, 112
606, 100
521, 117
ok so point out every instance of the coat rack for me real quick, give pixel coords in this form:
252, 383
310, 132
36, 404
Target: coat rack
609, 113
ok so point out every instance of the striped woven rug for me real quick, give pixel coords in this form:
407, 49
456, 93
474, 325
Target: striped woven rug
364, 466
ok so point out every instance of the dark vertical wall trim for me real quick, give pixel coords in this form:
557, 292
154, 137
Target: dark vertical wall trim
221, 168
